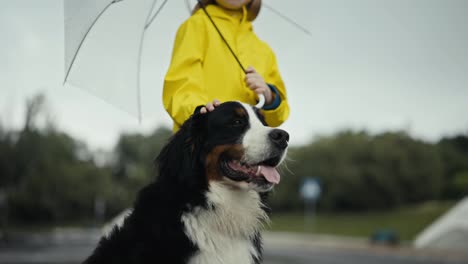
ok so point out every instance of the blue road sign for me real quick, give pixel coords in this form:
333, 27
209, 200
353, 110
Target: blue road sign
310, 189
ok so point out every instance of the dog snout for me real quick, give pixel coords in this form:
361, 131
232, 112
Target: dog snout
279, 137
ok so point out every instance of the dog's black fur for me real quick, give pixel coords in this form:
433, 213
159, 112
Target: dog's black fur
153, 232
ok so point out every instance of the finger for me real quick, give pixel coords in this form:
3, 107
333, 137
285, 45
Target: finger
255, 84
256, 79
253, 75
203, 110
250, 69
252, 79
216, 102
209, 107
259, 91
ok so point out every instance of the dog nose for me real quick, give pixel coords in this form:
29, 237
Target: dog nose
279, 137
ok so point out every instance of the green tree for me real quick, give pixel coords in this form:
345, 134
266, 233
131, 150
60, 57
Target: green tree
454, 153
135, 153
358, 171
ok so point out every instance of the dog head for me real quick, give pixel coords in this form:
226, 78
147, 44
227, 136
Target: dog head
231, 144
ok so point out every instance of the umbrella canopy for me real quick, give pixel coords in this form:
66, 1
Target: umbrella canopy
103, 46
103, 42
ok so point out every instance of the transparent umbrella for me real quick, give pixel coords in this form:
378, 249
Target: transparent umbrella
103, 46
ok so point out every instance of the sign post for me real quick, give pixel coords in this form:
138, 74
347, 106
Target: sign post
310, 191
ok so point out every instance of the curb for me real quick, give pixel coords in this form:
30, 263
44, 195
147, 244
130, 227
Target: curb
277, 240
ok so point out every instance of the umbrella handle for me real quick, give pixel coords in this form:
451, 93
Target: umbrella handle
261, 101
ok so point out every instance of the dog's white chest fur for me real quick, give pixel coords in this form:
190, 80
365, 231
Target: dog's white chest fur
223, 234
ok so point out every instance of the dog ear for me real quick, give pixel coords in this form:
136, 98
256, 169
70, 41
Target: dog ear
179, 162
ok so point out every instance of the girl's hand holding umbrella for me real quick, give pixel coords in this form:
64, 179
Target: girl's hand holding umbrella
257, 84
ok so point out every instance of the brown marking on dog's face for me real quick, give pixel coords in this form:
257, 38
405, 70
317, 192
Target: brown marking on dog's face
240, 111
212, 161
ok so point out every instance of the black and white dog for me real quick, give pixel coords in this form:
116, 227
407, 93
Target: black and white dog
207, 204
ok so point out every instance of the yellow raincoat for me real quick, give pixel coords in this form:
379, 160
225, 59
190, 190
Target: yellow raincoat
203, 69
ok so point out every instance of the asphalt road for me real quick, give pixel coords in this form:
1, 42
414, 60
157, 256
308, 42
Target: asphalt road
71, 247
342, 256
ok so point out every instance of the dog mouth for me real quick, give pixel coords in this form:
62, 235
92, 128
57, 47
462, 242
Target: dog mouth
262, 173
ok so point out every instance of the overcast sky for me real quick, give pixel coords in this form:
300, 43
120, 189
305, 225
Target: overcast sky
369, 64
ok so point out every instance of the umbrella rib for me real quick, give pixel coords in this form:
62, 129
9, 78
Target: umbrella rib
140, 51
187, 5
84, 37
292, 22
155, 14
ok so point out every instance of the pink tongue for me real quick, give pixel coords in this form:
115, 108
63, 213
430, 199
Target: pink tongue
270, 173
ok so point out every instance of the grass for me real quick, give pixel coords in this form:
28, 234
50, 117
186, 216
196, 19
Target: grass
407, 222
49, 226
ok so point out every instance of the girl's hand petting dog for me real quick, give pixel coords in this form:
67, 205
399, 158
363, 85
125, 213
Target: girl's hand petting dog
210, 106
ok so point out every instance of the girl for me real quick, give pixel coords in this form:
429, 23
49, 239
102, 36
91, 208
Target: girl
202, 67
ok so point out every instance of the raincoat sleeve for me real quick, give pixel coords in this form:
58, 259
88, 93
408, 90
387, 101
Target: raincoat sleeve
183, 85
277, 116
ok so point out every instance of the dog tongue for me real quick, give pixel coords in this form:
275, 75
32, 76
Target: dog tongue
270, 173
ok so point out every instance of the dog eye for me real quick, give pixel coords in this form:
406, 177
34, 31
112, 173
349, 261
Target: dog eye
238, 122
